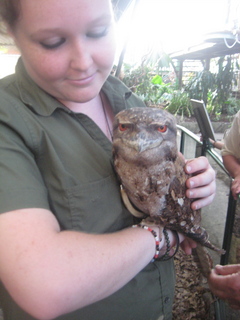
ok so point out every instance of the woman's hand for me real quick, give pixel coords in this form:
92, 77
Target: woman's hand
224, 282
187, 244
201, 185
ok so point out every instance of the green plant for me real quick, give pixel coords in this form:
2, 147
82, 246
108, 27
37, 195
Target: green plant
233, 106
150, 87
200, 85
143, 81
214, 109
224, 81
214, 88
136, 78
180, 104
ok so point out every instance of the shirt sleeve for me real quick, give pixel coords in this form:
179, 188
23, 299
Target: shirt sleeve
232, 139
21, 183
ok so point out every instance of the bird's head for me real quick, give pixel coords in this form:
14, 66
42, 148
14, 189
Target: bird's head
145, 132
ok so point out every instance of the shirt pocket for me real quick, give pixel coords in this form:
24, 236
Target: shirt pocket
96, 207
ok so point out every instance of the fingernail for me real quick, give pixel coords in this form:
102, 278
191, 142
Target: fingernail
188, 168
191, 183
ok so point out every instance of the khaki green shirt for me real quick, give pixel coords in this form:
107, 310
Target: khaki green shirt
53, 158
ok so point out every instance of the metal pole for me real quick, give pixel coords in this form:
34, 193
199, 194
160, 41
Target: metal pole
228, 228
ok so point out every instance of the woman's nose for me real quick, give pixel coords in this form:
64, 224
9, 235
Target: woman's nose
81, 58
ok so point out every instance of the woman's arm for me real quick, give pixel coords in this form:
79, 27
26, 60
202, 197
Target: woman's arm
49, 272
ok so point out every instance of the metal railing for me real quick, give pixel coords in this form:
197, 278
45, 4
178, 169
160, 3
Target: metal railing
204, 148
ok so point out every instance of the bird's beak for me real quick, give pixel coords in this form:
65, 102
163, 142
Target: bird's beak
144, 144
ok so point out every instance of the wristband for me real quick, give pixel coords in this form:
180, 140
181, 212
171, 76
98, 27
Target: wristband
166, 256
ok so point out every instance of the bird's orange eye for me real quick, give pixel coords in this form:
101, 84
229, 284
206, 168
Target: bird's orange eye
122, 127
162, 128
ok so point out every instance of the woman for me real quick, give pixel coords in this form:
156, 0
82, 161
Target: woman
67, 248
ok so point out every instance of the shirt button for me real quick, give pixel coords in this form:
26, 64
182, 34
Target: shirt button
167, 300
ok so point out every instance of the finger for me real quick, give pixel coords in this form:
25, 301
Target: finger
183, 241
225, 287
187, 245
191, 243
201, 179
202, 191
181, 237
201, 203
197, 165
228, 269
236, 181
186, 249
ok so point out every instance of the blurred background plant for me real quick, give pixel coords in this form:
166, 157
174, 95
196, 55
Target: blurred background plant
155, 81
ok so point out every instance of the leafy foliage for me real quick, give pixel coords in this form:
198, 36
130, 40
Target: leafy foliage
180, 104
224, 80
215, 89
200, 85
145, 83
155, 90
153, 85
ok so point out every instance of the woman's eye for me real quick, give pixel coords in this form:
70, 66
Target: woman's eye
52, 45
98, 33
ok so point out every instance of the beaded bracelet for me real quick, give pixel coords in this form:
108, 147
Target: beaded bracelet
157, 240
166, 256
177, 242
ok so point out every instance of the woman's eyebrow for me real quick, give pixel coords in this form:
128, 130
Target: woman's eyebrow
105, 18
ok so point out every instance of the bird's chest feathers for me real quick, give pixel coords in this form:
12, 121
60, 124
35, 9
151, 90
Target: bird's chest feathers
146, 186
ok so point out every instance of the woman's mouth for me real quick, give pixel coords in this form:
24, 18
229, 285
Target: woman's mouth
81, 81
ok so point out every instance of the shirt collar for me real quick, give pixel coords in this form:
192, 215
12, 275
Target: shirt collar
117, 93
32, 95
44, 104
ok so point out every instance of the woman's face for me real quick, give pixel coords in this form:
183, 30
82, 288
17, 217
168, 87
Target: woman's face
67, 46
